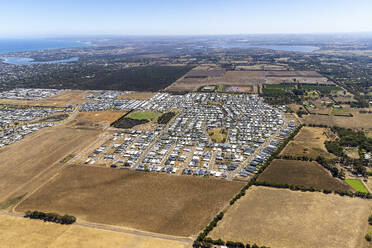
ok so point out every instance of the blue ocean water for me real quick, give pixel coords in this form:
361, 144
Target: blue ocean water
30, 61
22, 45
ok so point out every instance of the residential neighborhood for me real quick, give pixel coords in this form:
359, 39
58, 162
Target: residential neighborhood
250, 129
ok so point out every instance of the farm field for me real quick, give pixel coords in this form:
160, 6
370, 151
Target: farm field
284, 218
37, 152
309, 142
301, 173
357, 185
20, 232
263, 67
167, 204
359, 121
246, 78
64, 99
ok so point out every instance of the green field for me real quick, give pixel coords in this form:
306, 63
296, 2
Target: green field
357, 185
146, 115
277, 89
280, 86
338, 111
321, 88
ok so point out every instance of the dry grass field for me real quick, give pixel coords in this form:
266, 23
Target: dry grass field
137, 96
29, 157
99, 116
295, 107
359, 121
309, 142
247, 78
18, 232
64, 99
263, 67
352, 152
302, 173
168, 204
282, 218
241, 89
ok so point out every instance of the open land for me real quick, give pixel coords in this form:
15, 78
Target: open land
63, 99
218, 135
309, 142
174, 205
99, 116
20, 232
245, 78
359, 121
25, 159
301, 173
134, 95
270, 67
352, 152
284, 218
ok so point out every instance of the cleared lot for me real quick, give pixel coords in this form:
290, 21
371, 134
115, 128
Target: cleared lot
29, 157
175, 205
137, 96
99, 116
284, 218
309, 142
301, 173
19, 232
65, 98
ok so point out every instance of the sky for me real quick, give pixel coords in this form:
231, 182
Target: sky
182, 17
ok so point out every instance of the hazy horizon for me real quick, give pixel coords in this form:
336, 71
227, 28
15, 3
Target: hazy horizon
183, 18
100, 35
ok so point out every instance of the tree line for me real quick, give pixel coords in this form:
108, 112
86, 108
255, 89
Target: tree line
50, 217
165, 118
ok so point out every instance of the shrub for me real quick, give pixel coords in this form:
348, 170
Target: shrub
368, 237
